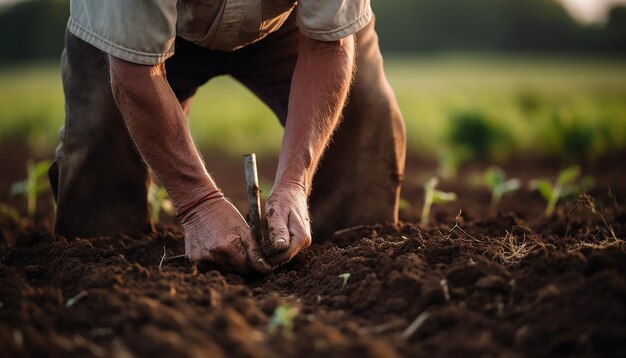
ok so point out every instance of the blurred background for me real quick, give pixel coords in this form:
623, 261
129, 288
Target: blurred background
481, 78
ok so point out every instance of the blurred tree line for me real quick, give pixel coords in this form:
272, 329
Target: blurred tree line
493, 25
33, 30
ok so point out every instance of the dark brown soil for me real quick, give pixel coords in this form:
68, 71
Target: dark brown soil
511, 283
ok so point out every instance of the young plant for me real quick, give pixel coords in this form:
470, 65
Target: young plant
565, 185
282, 319
433, 196
495, 179
345, 277
35, 183
158, 200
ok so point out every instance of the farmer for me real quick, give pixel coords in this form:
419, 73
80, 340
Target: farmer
130, 70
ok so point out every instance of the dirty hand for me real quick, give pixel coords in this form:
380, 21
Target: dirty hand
288, 222
216, 231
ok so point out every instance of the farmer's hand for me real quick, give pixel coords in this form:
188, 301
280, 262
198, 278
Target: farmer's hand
216, 231
288, 220
319, 89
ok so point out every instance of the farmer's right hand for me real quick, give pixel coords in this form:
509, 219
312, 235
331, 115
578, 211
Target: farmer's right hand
215, 231
288, 221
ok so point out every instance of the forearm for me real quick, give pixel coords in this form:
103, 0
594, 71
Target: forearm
159, 129
319, 89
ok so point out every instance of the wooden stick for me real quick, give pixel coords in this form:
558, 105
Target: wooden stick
254, 200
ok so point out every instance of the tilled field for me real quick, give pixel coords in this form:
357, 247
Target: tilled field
511, 283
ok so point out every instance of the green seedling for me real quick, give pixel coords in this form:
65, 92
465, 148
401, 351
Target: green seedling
345, 277
564, 186
433, 196
72, 301
282, 319
35, 183
9, 212
495, 179
159, 201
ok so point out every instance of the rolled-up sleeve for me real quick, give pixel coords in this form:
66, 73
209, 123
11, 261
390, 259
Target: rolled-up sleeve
332, 20
138, 31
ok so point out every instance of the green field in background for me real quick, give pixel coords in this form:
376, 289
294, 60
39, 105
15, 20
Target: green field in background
522, 98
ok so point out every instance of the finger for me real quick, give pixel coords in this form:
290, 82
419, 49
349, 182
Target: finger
295, 246
277, 227
255, 257
301, 239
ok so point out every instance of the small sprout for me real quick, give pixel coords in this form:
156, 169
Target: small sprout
415, 325
345, 277
446, 290
565, 186
158, 199
72, 301
35, 183
282, 319
495, 179
162, 258
433, 196
18, 338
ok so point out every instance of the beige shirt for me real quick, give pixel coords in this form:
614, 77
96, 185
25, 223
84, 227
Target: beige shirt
143, 31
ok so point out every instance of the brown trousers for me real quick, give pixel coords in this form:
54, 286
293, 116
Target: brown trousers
100, 181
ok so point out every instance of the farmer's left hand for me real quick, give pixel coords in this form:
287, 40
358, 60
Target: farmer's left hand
288, 220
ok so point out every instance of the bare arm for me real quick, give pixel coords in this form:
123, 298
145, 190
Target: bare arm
319, 89
214, 229
158, 127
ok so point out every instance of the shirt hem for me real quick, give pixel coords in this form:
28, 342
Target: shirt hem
130, 55
341, 32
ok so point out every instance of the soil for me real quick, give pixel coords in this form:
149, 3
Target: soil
510, 282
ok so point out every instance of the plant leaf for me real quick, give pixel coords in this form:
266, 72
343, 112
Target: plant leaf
511, 185
441, 197
18, 188
168, 207
40, 169
282, 318
41, 186
9, 212
568, 175
494, 177
431, 184
544, 187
